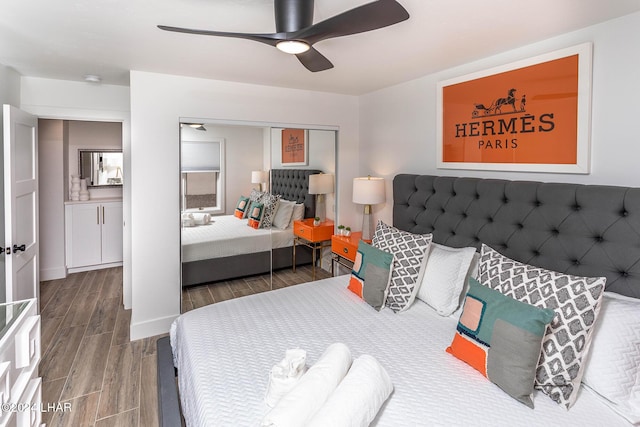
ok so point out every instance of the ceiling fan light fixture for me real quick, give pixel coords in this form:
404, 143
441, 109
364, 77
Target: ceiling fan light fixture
296, 34
293, 47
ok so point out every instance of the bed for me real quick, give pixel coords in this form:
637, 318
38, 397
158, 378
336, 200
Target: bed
223, 353
227, 248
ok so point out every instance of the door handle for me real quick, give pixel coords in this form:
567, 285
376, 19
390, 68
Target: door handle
17, 248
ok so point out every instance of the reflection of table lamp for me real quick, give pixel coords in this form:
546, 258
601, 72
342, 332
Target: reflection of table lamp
321, 184
368, 191
259, 177
117, 179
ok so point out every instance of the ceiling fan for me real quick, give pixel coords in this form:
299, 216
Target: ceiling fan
296, 33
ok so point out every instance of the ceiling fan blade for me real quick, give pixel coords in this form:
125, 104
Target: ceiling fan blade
314, 60
371, 16
270, 39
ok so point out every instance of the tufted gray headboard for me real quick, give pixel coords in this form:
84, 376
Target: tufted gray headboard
293, 184
585, 230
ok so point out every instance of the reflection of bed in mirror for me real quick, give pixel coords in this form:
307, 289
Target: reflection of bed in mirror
228, 248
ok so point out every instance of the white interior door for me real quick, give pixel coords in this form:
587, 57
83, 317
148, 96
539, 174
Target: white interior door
21, 204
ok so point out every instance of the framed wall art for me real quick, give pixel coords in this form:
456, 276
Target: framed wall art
532, 115
294, 147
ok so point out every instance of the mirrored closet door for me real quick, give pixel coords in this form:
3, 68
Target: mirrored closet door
238, 188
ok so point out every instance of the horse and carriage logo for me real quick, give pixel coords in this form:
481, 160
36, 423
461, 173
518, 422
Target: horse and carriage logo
495, 108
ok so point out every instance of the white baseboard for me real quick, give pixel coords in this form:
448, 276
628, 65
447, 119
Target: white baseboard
151, 327
52, 273
94, 267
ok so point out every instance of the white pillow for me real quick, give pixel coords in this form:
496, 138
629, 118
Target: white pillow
283, 214
298, 213
613, 367
445, 273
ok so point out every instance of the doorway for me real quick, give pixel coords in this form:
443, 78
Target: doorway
59, 145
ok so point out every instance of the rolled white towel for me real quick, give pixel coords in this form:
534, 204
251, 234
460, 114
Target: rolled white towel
285, 375
188, 220
201, 218
358, 398
298, 406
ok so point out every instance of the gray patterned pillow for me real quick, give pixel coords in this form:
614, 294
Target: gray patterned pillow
270, 202
576, 302
256, 195
408, 250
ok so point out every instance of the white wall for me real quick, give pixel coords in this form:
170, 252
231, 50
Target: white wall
51, 187
157, 104
9, 86
398, 124
61, 99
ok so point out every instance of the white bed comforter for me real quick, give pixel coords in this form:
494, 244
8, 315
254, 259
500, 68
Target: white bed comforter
224, 352
227, 235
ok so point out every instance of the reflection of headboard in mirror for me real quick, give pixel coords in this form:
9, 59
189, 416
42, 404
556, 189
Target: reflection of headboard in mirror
102, 168
293, 184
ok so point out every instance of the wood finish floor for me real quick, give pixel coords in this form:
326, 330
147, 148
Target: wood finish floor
88, 359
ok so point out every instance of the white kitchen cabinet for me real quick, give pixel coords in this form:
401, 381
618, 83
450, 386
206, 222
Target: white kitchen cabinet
93, 235
20, 352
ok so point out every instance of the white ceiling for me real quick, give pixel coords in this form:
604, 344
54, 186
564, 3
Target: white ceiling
68, 39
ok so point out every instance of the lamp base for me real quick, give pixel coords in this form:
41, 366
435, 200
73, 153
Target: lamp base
367, 224
321, 211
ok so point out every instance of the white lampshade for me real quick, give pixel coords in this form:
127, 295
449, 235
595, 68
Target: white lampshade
321, 183
368, 190
258, 177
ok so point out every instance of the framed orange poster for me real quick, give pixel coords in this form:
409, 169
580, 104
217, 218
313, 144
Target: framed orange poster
294, 147
531, 115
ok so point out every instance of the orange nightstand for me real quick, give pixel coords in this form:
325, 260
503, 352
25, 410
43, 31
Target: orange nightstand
343, 249
315, 237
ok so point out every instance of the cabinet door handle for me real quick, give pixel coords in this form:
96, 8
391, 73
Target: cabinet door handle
17, 248
103, 214
98, 215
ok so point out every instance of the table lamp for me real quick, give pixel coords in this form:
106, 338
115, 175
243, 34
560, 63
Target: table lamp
259, 177
368, 191
320, 185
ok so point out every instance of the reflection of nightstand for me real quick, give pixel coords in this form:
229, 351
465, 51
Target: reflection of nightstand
343, 250
312, 236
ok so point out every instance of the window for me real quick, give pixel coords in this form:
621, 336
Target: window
202, 175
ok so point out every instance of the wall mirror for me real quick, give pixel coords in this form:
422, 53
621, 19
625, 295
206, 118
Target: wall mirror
101, 168
222, 256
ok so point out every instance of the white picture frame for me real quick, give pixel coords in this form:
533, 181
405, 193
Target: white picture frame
460, 145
